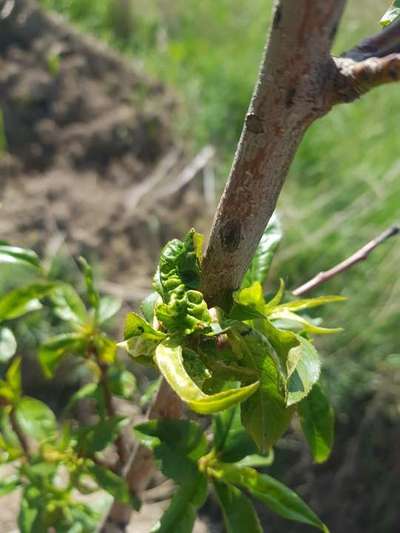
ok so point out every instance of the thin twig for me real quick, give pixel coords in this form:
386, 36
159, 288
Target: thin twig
361, 255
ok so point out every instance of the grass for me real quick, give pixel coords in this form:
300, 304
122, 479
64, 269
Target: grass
344, 185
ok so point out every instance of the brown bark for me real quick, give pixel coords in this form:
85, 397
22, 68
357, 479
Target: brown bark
292, 91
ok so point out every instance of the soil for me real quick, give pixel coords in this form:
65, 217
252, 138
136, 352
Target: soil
84, 131
89, 143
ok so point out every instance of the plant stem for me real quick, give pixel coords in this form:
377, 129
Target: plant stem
361, 255
23, 440
120, 443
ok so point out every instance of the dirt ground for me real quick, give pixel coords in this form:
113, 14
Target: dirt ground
91, 164
89, 144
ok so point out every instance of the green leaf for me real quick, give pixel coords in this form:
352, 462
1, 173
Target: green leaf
55, 348
265, 414
122, 383
13, 376
266, 249
68, 305
106, 349
96, 438
288, 320
306, 372
29, 509
258, 461
309, 303
231, 441
317, 421
8, 345
148, 306
89, 391
108, 307
392, 14
170, 363
276, 496
112, 483
136, 326
9, 485
20, 256
92, 292
181, 513
238, 512
35, 419
185, 437
24, 299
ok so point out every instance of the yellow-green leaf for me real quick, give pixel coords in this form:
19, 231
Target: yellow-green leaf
169, 360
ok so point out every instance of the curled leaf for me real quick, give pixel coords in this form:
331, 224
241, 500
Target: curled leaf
169, 360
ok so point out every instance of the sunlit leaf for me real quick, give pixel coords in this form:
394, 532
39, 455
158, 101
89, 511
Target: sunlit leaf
68, 305
276, 496
266, 249
20, 256
392, 14
306, 372
35, 419
317, 421
9, 485
8, 345
13, 376
309, 303
24, 299
170, 363
108, 307
288, 320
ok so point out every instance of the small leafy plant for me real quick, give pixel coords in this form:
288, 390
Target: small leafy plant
252, 367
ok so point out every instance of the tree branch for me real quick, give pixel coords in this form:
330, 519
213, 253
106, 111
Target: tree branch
373, 62
289, 95
361, 255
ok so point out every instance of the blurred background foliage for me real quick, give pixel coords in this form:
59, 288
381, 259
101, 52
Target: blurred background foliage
343, 188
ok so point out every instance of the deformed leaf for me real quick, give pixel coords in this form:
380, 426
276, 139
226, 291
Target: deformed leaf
238, 512
276, 496
8, 345
170, 363
317, 421
266, 249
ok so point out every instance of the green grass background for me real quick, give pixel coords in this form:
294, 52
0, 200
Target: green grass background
344, 186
